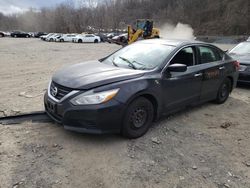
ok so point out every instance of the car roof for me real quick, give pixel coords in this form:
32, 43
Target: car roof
171, 42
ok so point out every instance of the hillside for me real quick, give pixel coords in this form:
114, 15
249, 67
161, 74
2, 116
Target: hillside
206, 17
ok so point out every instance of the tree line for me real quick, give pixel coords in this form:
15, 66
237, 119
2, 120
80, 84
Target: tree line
206, 17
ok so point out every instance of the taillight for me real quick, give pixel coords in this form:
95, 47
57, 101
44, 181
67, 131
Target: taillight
236, 65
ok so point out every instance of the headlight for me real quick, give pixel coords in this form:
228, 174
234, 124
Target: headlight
94, 98
242, 68
248, 69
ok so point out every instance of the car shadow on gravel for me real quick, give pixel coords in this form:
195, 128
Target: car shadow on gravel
94, 138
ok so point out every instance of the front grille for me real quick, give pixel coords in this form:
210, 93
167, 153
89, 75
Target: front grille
61, 91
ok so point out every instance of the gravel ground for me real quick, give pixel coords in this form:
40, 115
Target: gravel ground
205, 146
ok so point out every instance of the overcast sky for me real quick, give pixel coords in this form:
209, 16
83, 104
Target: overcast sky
17, 6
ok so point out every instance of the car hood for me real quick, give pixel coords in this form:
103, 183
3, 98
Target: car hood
92, 74
242, 58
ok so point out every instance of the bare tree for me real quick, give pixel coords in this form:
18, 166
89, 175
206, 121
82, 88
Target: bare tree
228, 17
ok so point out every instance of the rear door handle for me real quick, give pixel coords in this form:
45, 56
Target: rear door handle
198, 74
222, 68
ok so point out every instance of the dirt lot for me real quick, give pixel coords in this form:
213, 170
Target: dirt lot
189, 149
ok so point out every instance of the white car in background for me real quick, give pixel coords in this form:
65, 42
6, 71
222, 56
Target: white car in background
66, 38
87, 38
43, 37
54, 37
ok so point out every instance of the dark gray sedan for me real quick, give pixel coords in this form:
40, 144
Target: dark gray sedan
129, 89
241, 53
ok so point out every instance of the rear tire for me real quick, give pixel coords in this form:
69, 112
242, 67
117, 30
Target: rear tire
51, 40
80, 41
138, 118
224, 91
61, 40
95, 41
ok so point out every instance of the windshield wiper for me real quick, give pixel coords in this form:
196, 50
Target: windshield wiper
130, 64
114, 63
141, 64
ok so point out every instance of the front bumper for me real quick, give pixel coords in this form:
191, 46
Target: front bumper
94, 119
244, 77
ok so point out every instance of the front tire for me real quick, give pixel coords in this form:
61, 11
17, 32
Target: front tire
95, 41
224, 91
138, 118
80, 41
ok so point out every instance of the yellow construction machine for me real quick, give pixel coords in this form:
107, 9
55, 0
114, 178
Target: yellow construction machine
144, 30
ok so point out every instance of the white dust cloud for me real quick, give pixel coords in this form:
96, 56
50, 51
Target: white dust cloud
180, 31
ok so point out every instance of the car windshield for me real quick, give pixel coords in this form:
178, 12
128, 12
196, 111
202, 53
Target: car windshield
242, 48
142, 56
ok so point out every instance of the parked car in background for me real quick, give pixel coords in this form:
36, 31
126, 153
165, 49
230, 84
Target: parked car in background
66, 38
43, 37
90, 38
102, 36
120, 39
241, 53
111, 35
54, 37
6, 33
39, 34
32, 34
20, 34
2, 34
129, 89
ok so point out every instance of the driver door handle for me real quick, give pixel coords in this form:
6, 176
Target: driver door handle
198, 74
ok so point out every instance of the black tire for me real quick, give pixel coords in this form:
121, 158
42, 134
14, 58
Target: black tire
80, 41
224, 91
1, 35
51, 40
138, 118
95, 41
15, 36
61, 40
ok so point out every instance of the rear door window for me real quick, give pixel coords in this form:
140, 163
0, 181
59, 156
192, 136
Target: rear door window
208, 54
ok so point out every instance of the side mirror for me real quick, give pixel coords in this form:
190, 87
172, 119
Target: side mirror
177, 68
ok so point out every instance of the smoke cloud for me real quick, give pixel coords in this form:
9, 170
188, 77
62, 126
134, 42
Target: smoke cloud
180, 31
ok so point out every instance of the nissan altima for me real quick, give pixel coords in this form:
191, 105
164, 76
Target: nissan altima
129, 89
